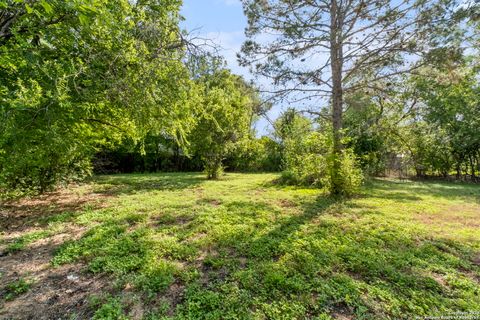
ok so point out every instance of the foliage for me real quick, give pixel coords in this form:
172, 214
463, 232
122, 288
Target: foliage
17, 288
23, 241
449, 135
368, 124
254, 155
112, 309
318, 52
228, 105
308, 155
77, 75
305, 160
350, 175
425, 124
155, 153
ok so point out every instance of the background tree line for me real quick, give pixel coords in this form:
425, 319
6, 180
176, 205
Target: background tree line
116, 85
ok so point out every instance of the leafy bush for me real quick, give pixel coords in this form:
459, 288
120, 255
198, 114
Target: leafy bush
255, 155
40, 160
309, 160
111, 309
350, 177
305, 159
213, 166
224, 119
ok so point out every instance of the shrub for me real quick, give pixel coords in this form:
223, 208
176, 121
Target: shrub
350, 177
213, 167
309, 161
305, 160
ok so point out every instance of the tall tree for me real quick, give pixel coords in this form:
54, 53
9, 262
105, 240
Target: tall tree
228, 104
78, 74
321, 50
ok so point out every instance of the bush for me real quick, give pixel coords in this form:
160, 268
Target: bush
305, 161
309, 161
213, 167
255, 155
40, 168
350, 177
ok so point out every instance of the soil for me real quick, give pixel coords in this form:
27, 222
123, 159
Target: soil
55, 292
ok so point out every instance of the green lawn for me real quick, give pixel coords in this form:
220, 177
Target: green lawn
179, 246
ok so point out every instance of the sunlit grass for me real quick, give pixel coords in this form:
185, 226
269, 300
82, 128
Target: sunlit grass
244, 247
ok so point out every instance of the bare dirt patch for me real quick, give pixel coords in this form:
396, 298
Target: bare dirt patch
55, 293
476, 260
210, 201
27, 213
287, 203
342, 312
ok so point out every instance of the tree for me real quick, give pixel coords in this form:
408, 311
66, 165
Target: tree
451, 98
76, 75
224, 117
322, 50
291, 125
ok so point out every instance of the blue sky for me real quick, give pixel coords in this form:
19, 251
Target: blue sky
223, 22
214, 15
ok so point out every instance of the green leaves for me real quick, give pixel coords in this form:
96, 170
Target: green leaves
46, 6
227, 103
28, 8
80, 74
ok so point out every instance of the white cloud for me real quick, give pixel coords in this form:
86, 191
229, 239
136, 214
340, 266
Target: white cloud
230, 44
230, 2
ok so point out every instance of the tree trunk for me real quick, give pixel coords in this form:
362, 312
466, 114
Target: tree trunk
472, 167
336, 54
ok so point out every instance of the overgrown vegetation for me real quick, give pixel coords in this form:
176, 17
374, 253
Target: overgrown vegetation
63, 101
181, 247
368, 88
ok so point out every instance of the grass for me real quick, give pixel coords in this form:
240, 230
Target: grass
244, 248
23, 241
17, 288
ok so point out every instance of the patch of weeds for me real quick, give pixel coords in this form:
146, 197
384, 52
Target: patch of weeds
282, 310
159, 312
108, 248
113, 249
156, 276
227, 301
189, 274
17, 288
214, 262
23, 241
170, 247
111, 309
58, 218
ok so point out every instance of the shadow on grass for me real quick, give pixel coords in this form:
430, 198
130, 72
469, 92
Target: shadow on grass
63, 206
321, 259
310, 258
414, 190
44, 210
137, 183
